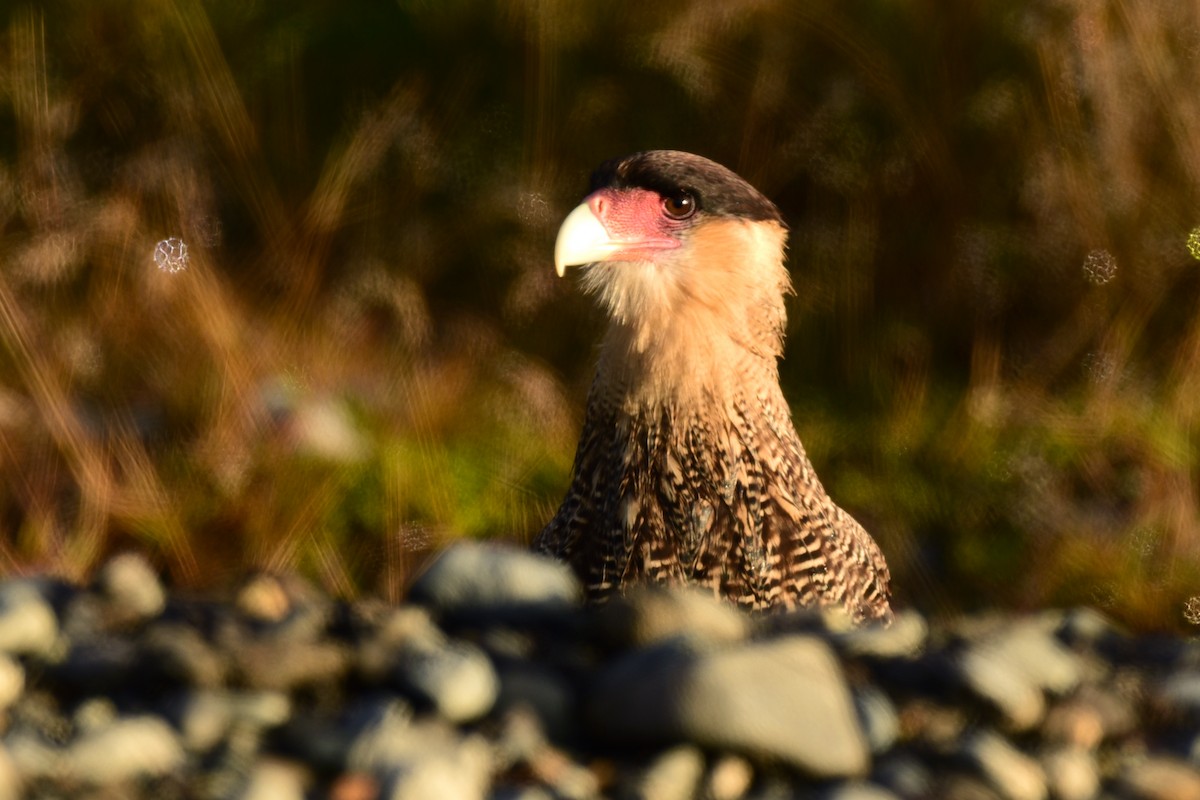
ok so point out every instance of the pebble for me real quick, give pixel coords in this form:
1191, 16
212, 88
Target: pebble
499, 683
729, 778
456, 678
28, 626
126, 749
879, 719
674, 774
904, 638
275, 780
857, 790
784, 699
1160, 778
650, 614
998, 681
12, 681
476, 579
131, 588
1071, 774
1013, 774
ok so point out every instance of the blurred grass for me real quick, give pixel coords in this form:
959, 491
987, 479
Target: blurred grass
994, 351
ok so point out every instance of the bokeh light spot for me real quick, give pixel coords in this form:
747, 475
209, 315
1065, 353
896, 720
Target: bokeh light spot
1191, 609
1193, 243
171, 255
1099, 267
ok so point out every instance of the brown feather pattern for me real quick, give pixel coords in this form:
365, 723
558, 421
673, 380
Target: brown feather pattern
689, 469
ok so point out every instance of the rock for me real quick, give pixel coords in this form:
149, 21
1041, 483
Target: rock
1089, 717
673, 775
178, 654
651, 613
1014, 775
126, 749
541, 690
10, 777
12, 681
1086, 628
999, 681
474, 579
275, 780
420, 760
904, 638
729, 778
28, 625
276, 665
1160, 778
455, 678
131, 588
782, 699
1039, 657
204, 718
856, 790
903, 774
878, 716
1071, 774
1179, 695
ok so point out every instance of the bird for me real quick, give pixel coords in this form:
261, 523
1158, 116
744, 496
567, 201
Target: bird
689, 470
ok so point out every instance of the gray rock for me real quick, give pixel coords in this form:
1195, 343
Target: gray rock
1089, 717
1086, 628
12, 681
456, 678
28, 626
906, 637
283, 665
1160, 778
417, 760
505, 792
275, 780
674, 774
1013, 774
652, 613
10, 778
204, 718
878, 716
177, 653
32, 756
1180, 694
474, 578
131, 588
401, 627
1032, 649
1071, 774
729, 778
856, 790
782, 699
904, 775
129, 748
1000, 682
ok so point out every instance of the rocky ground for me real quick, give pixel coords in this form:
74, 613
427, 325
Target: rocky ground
493, 681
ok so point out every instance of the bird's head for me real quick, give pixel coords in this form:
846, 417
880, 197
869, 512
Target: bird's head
679, 249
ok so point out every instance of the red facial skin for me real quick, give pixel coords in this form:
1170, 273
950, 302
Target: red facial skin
636, 217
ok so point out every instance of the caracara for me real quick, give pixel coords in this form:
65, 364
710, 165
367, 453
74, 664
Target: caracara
688, 468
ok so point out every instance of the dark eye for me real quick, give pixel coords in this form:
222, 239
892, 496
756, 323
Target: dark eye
680, 205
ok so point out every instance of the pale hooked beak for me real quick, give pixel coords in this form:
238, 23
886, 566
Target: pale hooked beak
582, 239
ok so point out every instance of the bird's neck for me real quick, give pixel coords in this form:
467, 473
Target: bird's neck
680, 371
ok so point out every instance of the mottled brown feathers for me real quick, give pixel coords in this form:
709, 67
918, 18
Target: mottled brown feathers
688, 468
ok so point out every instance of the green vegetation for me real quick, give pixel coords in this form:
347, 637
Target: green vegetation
994, 348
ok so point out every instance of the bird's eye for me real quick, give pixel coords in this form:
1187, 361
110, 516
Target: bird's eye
679, 206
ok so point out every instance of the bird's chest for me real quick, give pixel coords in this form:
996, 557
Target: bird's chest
684, 479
